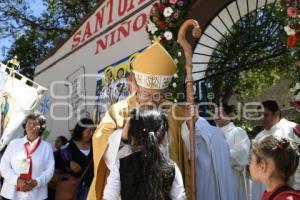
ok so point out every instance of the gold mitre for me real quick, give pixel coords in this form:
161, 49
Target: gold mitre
154, 67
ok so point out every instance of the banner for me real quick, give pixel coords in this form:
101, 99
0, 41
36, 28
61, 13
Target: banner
17, 99
113, 85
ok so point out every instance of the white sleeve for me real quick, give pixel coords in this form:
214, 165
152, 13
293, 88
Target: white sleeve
110, 155
185, 134
177, 190
5, 166
112, 188
239, 152
47, 174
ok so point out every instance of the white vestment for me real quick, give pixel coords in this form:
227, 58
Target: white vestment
213, 169
239, 145
285, 129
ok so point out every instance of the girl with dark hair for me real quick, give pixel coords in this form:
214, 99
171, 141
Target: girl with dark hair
77, 156
143, 172
273, 162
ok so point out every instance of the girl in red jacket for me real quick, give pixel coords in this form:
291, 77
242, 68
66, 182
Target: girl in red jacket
273, 161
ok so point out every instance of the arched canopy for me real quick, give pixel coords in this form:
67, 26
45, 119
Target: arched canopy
216, 19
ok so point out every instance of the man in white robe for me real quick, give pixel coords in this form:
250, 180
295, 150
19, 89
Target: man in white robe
213, 172
279, 127
239, 145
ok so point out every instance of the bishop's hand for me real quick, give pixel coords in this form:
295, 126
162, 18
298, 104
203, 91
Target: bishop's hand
125, 131
191, 111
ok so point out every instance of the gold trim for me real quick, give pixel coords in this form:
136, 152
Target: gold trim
152, 81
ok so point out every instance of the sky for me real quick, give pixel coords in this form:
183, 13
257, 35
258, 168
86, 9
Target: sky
37, 7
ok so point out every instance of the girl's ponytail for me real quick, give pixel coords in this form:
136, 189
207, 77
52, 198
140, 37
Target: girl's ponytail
146, 131
284, 153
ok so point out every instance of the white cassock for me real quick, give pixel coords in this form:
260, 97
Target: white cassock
285, 129
239, 145
213, 169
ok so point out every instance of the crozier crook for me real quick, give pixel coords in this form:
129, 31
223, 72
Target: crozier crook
196, 32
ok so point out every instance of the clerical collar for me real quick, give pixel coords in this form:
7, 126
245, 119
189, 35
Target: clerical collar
227, 127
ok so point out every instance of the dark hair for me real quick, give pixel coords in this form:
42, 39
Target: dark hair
120, 70
63, 139
228, 109
147, 128
271, 106
35, 115
79, 128
284, 153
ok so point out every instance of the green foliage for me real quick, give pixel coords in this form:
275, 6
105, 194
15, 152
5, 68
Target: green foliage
297, 118
244, 124
251, 58
290, 22
256, 81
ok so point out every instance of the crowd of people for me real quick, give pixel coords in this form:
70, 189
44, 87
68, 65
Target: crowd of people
31, 170
222, 150
143, 166
141, 152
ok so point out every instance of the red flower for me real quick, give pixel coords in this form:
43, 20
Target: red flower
161, 7
292, 12
161, 24
291, 42
163, 39
173, 1
297, 130
297, 105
